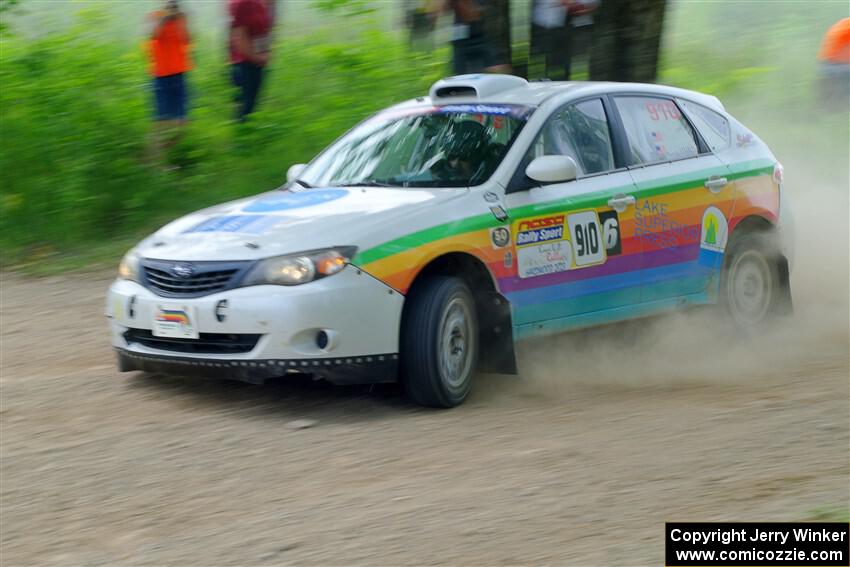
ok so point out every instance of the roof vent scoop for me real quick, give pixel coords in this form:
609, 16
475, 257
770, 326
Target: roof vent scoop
474, 86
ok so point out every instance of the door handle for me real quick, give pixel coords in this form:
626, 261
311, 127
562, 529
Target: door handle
715, 183
620, 202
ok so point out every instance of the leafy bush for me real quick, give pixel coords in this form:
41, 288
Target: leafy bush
76, 173
75, 115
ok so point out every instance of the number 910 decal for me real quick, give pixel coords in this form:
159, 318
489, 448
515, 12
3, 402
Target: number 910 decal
559, 242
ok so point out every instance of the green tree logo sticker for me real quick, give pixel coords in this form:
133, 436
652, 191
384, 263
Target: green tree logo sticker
711, 229
715, 230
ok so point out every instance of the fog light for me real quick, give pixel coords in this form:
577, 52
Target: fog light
322, 340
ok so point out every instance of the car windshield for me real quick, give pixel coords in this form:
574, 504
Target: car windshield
444, 146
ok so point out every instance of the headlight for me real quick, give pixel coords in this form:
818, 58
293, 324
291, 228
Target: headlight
128, 269
295, 269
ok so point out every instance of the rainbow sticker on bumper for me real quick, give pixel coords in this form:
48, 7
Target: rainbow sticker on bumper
174, 322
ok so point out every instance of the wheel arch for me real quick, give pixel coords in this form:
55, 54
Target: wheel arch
760, 225
492, 308
750, 224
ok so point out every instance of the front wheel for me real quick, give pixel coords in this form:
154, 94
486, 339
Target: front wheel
752, 289
439, 342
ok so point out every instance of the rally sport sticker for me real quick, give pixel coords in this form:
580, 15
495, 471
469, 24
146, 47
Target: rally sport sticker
549, 244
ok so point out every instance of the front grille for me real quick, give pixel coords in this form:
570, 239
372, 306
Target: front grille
207, 343
201, 283
208, 277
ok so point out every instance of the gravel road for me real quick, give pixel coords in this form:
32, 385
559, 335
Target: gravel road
579, 461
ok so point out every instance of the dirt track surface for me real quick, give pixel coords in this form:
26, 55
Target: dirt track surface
578, 461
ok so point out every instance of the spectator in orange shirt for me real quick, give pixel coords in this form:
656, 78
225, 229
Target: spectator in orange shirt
834, 58
836, 43
168, 48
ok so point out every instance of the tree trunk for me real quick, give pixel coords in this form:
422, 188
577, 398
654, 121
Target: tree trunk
627, 40
497, 25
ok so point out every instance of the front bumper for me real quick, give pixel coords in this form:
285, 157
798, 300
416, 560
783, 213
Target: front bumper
354, 370
359, 315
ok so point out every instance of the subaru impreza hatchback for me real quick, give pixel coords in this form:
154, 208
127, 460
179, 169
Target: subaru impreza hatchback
427, 240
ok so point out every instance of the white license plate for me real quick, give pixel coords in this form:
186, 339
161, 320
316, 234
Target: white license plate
175, 321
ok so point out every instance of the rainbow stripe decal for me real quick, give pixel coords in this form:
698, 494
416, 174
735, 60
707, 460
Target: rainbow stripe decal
173, 316
577, 262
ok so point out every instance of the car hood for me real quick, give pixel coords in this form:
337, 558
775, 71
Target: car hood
288, 221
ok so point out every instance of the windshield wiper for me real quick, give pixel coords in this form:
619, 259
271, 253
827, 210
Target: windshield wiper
365, 184
303, 184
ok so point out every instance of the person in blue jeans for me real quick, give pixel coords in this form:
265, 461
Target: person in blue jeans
170, 62
250, 45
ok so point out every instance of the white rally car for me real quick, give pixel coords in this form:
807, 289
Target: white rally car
428, 239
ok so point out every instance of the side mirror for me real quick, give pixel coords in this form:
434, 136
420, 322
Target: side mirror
552, 169
294, 172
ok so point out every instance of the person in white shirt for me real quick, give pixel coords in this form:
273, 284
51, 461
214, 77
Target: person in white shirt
552, 34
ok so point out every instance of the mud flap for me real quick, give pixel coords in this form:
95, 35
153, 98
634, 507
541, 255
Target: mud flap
497, 341
785, 306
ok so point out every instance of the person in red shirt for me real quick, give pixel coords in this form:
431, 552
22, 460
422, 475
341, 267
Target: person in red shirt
250, 45
168, 50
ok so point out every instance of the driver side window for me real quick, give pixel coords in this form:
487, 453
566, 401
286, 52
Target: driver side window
579, 131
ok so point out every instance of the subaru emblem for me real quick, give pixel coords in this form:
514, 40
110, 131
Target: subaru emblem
183, 270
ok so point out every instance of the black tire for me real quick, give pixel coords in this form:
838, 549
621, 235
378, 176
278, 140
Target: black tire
754, 281
439, 342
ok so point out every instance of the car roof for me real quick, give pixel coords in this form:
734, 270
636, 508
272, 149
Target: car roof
508, 89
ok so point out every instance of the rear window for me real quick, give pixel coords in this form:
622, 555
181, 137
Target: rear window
656, 130
713, 126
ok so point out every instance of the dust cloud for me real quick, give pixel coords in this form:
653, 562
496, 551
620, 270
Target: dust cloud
697, 347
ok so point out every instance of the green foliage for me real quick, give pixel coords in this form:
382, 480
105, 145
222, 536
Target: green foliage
749, 50
77, 177
6, 6
76, 127
349, 7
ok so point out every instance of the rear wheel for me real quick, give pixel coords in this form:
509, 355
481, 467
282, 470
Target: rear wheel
752, 290
439, 343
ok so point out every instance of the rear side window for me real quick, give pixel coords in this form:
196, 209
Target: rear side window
656, 130
712, 125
